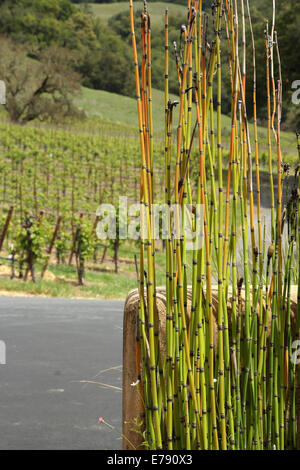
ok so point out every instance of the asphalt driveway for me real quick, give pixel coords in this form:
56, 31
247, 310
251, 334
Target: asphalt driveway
51, 346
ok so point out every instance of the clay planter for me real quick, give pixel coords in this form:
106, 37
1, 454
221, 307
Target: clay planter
131, 400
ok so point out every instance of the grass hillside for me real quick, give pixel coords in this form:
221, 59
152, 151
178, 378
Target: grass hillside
122, 110
156, 10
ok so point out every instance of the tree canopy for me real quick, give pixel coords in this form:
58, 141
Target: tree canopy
37, 88
101, 53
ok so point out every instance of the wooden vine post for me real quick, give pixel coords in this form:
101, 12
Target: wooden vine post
6, 225
49, 251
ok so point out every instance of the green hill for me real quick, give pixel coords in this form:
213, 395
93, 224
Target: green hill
156, 10
122, 109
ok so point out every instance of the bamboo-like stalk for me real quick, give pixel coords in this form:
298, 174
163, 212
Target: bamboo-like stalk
261, 321
269, 134
222, 380
146, 199
235, 53
221, 370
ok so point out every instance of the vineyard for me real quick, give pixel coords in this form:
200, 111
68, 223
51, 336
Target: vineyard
52, 182
53, 179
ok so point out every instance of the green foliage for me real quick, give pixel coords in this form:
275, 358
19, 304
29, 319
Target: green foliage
287, 25
180, 2
62, 243
40, 25
109, 68
97, 54
32, 239
84, 243
38, 22
103, 56
293, 117
2, 221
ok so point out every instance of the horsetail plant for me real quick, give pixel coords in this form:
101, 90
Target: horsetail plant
222, 373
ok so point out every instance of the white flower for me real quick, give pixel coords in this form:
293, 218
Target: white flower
134, 384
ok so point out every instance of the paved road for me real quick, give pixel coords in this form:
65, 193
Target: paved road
52, 344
